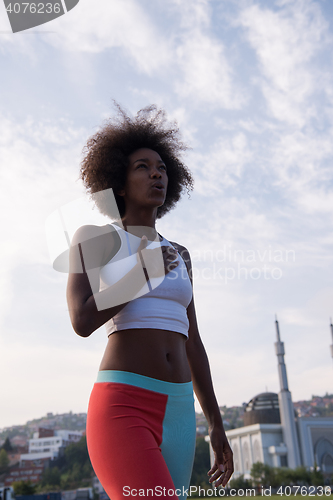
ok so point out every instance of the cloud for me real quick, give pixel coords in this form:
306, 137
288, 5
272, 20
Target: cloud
197, 12
39, 169
301, 161
206, 73
108, 25
180, 50
221, 167
286, 40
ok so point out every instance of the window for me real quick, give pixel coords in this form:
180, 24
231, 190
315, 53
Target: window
246, 455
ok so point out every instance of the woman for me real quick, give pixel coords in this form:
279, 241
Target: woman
141, 421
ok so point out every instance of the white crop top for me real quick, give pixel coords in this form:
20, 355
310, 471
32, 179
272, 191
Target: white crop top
161, 304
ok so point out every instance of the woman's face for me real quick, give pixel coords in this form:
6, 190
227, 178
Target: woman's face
147, 180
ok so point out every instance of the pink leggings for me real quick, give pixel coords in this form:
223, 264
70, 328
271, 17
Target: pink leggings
141, 435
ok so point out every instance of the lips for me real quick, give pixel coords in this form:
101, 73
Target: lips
158, 185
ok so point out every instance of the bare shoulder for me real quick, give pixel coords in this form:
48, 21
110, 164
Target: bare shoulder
185, 255
182, 251
95, 245
89, 232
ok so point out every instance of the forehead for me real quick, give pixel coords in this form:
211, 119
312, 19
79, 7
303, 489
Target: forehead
144, 154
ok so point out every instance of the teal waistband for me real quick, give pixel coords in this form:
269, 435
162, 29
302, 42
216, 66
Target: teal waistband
152, 384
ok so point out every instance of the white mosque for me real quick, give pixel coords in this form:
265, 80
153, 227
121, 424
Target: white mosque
274, 435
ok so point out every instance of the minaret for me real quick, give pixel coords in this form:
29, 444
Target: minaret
332, 338
286, 407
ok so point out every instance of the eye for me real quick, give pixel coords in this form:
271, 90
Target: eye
142, 165
163, 167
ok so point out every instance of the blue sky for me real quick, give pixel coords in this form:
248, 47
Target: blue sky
250, 85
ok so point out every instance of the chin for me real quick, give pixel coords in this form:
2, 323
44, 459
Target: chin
158, 201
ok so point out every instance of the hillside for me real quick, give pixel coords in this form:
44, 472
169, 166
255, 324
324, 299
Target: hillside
317, 406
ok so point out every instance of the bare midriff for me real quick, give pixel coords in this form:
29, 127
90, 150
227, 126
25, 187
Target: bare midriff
159, 354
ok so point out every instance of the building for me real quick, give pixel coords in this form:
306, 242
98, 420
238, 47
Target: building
261, 438
46, 445
275, 435
32, 474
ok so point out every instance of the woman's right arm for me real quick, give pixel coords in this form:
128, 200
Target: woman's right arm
92, 247
89, 248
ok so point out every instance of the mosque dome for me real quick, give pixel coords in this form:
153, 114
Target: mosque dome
262, 409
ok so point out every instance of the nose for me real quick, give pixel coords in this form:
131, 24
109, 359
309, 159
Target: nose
155, 173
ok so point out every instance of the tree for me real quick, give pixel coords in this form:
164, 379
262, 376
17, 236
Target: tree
77, 452
75, 468
70, 471
4, 460
51, 476
7, 445
23, 488
303, 476
201, 463
239, 483
316, 477
261, 474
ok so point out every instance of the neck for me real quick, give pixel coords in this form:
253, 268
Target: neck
140, 223
145, 218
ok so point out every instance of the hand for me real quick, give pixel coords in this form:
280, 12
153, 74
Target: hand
157, 261
223, 467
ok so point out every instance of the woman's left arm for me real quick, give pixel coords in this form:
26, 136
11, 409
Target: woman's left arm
203, 387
